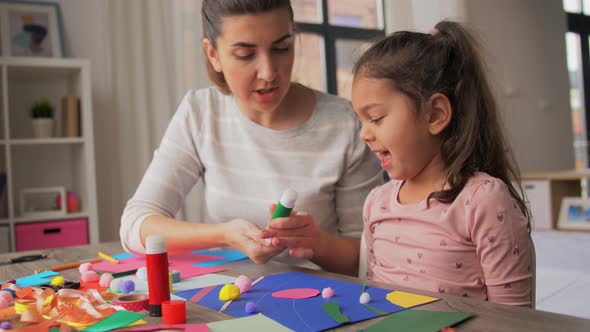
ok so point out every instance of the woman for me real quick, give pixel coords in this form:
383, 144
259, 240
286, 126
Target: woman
250, 137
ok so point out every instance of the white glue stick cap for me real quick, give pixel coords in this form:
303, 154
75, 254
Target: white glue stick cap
288, 198
155, 244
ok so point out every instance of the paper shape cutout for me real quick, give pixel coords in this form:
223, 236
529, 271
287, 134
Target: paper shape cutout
375, 310
202, 327
258, 323
419, 320
123, 255
229, 255
35, 279
116, 320
333, 309
408, 300
305, 314
296, 293
200, 294
184, 263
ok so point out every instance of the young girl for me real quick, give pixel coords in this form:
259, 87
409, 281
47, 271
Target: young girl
248, 139
451, 219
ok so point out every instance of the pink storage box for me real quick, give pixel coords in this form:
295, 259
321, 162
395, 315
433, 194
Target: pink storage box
51, 234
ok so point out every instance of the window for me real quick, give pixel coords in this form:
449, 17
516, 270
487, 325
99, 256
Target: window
332, 35
578, 63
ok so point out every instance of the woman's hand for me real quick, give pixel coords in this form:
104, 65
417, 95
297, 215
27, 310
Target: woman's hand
244, 236
298, 232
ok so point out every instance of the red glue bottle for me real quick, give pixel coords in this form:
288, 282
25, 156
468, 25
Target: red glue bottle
156, 258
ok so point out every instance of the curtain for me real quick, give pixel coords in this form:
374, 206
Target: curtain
155, 57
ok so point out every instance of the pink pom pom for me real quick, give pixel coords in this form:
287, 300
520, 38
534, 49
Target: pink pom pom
244, 283
89, 276
85, 267
6, 295
327, 293
105, 280
4, 303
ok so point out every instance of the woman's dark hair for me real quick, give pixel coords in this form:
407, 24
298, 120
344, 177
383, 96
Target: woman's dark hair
212, 13
446, 61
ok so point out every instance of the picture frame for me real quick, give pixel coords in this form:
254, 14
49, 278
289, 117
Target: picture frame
29, 28
43, 202
574, 214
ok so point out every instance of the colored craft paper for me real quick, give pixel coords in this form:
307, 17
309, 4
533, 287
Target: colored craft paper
375, 310
304, 314
115, 321
296, 293
200, 294
123, 255
333, 309
183, 263
176, 327
419, 321
36, 279
141, 286
408, 300
258, 323
229, 255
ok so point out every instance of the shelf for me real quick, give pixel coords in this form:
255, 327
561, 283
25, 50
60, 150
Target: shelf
21, 220
4, 221
38, 141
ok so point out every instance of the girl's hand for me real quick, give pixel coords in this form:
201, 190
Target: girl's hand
244, 236
298, 232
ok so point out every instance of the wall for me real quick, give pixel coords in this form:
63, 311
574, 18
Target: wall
525, 46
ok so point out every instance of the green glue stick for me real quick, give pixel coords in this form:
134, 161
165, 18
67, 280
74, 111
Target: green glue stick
286, 204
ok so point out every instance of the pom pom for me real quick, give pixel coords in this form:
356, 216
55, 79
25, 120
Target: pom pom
116, 285
6, 295
244, 283
127, 286
4, 303
105, 280
85, 267
11, 291
364, 298
250, 307
327, 293
89, 276
229, 292
141, 273
5, 326
58, 281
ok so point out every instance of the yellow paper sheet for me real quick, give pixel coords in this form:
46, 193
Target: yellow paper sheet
408, 300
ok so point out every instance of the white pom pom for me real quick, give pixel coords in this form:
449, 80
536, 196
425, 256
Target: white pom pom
365, 298
141, 273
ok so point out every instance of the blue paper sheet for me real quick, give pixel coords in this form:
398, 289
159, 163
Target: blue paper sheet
303, 314
36, 279
227, 257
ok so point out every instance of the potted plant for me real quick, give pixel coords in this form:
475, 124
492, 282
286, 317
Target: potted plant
42, 113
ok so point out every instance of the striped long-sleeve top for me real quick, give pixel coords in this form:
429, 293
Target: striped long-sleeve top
245, 167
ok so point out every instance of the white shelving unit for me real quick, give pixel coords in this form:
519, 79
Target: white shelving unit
29, 162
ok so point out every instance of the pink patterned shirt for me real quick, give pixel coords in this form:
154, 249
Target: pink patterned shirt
478, 246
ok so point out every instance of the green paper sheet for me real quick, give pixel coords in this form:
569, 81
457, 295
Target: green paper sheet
419, 321
333, 310
258, 323
115, 321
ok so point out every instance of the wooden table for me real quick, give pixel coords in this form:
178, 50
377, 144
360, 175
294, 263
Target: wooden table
490, 316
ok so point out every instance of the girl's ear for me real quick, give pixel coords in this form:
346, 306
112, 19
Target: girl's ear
212, 55
440, 113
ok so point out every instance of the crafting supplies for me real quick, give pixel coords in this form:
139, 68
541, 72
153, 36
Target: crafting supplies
286, 204
174, 312
157, 267
132, 302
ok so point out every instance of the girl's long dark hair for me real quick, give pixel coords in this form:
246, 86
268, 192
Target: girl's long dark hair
446, 61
